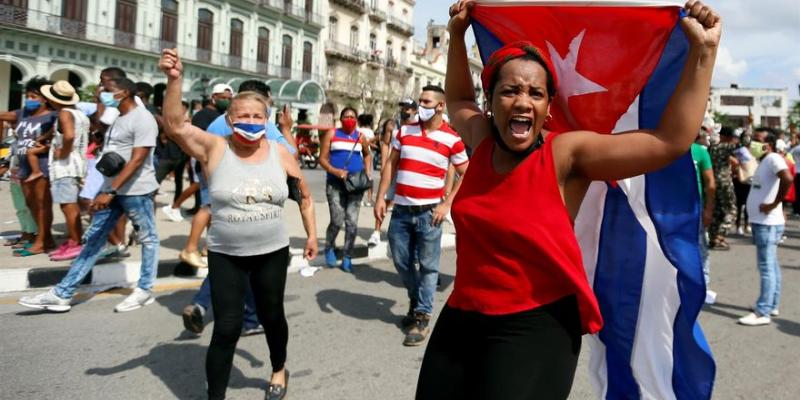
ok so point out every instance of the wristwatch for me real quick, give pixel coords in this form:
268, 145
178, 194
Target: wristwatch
112, 192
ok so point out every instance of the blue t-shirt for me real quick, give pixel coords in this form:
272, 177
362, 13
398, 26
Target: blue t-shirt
220, 127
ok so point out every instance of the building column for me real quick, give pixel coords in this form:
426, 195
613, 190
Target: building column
5, 85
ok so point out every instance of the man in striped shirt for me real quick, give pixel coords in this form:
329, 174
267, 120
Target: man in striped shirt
420, 156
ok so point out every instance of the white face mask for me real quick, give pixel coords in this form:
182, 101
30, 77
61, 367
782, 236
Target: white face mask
425, 114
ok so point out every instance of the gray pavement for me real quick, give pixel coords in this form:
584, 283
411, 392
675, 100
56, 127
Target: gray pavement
344, 340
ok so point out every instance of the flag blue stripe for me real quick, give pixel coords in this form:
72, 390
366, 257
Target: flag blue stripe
487, 42
674, 206
618, 286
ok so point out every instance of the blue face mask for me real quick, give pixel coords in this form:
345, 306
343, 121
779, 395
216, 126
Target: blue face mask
108, 100
32, 105
251, 132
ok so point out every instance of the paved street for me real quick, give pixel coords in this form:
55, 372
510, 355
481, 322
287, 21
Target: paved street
344, 340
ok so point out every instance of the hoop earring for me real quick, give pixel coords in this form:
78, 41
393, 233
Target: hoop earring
489, 114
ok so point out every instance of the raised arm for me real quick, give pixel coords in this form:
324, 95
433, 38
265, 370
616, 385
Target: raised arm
193, 140
465, 115
612, 157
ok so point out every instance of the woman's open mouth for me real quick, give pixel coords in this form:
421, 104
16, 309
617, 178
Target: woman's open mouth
520, 127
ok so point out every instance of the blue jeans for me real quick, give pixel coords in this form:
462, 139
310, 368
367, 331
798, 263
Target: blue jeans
766, 238
412, 236
203, 299
139, 210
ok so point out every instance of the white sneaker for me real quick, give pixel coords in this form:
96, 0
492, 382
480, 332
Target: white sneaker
174, 214
47, 301
374, 239
136, 300
754, 320
740, 231
711, 296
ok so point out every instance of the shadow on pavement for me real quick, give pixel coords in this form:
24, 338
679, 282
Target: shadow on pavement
186, 378
359, 306
174, 242
368, 273
784, 325
176, 301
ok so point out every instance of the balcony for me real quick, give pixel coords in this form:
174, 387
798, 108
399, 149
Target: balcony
274, 4
398, 68
313, 18
358, 6
377, 15
346, 52
86, 33
399, 25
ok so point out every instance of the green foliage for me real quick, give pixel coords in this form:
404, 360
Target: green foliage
87, 92
721, 118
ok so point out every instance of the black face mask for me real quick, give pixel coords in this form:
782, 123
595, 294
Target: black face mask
404, 116
522, 154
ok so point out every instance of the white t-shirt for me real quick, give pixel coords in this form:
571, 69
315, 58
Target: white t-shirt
764, 188
369, 134
73, 166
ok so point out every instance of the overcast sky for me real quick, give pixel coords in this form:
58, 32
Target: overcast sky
760, 44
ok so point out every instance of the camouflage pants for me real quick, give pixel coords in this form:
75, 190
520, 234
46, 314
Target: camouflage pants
724, 211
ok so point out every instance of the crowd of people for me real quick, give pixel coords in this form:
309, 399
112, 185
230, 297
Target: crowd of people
107, 158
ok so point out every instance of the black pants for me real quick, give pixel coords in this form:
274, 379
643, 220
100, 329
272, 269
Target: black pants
167, 165
228, 276
796, 204
528, 355
741, 190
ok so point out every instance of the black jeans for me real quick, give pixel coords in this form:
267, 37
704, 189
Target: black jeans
167, 165
228, 276
527, 355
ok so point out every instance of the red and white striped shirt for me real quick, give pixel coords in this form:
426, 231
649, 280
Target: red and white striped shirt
424, 158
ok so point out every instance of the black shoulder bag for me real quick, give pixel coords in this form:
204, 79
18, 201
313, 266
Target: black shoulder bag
110, 163
358, 181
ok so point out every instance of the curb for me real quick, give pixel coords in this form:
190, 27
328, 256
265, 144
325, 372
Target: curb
126, 273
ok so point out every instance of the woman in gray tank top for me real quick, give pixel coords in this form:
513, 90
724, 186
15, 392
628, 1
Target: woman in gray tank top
247, 241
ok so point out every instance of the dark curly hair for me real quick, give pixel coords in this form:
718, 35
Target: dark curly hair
35, 84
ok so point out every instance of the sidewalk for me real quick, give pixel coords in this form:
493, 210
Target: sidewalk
21, 273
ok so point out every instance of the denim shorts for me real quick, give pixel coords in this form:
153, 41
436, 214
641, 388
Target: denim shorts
65, 190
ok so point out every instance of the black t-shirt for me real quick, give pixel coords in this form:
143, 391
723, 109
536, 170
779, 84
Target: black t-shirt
204, 118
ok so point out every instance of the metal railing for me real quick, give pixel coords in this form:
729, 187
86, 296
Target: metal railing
79, 30
397, 23
377, 14
356, 5
346, 50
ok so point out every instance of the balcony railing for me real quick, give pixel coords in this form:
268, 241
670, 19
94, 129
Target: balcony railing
398, 24
345, 51
355, 5
56, 25
377, 15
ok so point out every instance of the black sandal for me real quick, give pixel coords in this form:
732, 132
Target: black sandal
277, 392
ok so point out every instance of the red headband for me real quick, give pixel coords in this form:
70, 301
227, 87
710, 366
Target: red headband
509, 52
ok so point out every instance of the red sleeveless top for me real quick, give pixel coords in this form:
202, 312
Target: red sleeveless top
515, 244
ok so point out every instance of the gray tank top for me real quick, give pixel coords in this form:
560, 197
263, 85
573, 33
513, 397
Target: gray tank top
247, 205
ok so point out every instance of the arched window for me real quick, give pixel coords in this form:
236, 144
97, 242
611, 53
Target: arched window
389, 52
286, 61
205, 34
308, 56
333, 25
262, 52
373, 43
169, 23
354, 37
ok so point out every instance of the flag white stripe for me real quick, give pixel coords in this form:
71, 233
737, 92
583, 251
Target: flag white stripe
651, 358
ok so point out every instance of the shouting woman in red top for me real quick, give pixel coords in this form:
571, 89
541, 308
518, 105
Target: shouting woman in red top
513, 324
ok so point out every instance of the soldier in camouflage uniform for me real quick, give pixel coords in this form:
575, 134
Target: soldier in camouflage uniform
722, 155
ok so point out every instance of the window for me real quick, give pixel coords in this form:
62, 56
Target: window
354, 37
125, 23
205, 34
286, 61
771, 101
73, 18
736, 100
332, 26
262, 54
307, 58
287, 6
373, 43
235, 51
169, 23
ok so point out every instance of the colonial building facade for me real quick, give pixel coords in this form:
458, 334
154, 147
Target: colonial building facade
277, 41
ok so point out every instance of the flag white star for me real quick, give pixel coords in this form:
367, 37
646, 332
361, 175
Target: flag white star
570, 81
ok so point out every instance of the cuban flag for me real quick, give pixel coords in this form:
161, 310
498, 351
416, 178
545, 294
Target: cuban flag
618, 63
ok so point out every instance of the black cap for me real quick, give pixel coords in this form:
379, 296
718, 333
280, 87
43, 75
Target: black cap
407, 103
